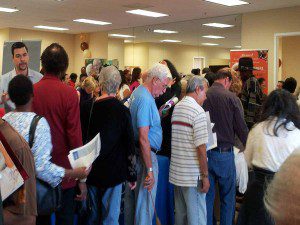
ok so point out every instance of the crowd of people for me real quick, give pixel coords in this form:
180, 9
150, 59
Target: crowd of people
127, 109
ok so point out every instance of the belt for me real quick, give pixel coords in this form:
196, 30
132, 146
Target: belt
152, 149
221, 150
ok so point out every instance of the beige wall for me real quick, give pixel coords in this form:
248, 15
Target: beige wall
47, 38
291, 57
258, 31
4, 36
137, 55
116, 50
146, 54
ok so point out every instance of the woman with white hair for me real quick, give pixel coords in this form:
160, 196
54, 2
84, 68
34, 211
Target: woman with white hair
116, 162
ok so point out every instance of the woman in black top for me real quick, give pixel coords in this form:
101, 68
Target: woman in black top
116, 162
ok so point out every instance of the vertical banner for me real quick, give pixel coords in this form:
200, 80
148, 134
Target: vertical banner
260, 62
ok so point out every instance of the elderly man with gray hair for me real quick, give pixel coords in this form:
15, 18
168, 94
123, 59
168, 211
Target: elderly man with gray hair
188, 169
116, 163
148, 138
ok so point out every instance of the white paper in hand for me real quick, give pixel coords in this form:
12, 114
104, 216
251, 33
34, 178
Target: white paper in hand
212, 137
85, 156
241, 170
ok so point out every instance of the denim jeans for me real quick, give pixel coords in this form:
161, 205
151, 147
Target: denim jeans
190, 206
102, 206
221, 169
138, 208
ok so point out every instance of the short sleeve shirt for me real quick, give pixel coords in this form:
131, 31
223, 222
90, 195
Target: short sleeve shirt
145, 113
189, 131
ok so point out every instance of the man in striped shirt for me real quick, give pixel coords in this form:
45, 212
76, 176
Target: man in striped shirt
188, 169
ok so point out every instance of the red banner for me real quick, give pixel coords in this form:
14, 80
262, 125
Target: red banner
260, 62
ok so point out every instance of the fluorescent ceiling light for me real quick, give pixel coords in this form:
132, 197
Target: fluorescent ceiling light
237, 46
121, 35
146, 13
165, 31
210, 44
50, 28
172, 41
127, 41
8, 10
96, 22
213, 36
219, 25
229, 2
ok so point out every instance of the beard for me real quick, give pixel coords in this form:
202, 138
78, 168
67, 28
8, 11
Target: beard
22, 66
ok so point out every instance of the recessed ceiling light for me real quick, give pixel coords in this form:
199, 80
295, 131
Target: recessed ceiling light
229, 2
237, 46
172, 41
165, 31
210, 44
8, 10
127, 41
96, 22
219, 25
121, 35
146, 13
213, 36
50, 28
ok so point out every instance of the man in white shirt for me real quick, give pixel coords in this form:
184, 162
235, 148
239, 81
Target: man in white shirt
20, 59
188, 169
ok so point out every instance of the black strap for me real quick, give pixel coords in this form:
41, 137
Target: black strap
32, 129
13, 157
88, 127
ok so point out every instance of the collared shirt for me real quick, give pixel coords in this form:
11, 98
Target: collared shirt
144, 113
226, 112
6, 78
42, 146
189, 131
59, 104
267, 151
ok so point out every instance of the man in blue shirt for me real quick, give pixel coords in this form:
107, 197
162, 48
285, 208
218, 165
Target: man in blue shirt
148, 137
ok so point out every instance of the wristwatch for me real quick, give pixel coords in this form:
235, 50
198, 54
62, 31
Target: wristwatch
203, 175
150, 169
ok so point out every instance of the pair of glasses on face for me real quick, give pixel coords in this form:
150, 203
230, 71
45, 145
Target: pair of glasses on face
163, 84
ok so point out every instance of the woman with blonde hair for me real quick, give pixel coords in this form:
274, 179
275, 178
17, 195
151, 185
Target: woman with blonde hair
85, 92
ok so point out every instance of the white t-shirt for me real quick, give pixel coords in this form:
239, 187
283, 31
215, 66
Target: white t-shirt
122, 89
267, 151
189, 131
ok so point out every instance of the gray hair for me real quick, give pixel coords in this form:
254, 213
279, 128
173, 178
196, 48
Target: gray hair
110, 79
282, 196
194, 82
160, 71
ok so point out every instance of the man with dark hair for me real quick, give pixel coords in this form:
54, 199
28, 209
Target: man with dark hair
73, 78
196, 71
20, 58
279, 84
251, 95
290, 85
206, 70
227, 114
61, 109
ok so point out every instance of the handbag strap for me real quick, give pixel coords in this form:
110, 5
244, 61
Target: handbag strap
13, 157
88, 127
32, 129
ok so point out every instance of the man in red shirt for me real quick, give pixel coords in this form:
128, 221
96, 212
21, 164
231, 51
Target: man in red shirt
59, 104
